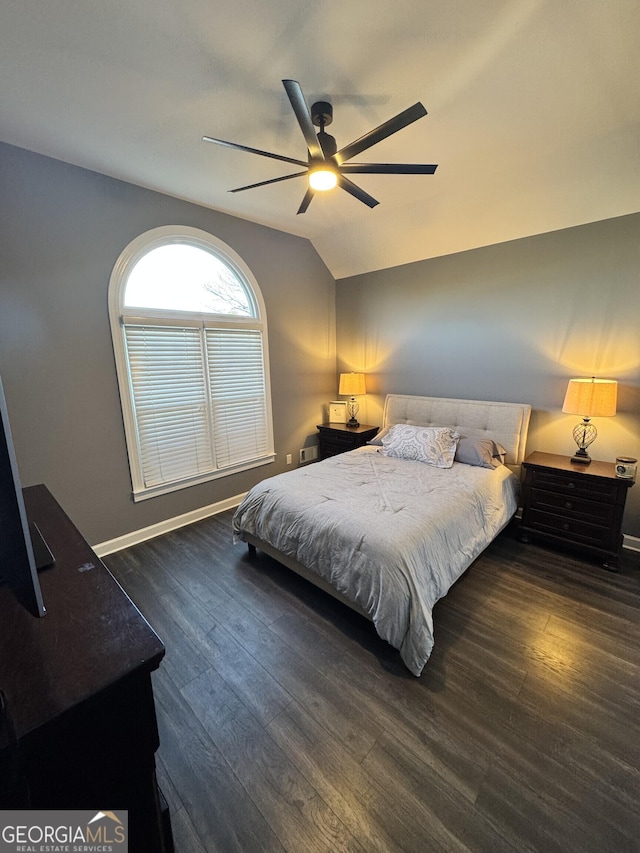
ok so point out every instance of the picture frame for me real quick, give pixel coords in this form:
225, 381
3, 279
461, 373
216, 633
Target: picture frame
338, 412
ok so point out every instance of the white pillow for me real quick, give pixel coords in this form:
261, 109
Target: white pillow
434, 445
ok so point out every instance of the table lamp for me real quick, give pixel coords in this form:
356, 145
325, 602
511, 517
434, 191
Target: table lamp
591, 398
352, 384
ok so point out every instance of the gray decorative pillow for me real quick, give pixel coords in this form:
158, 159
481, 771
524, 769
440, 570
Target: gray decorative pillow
482, 452
434, 445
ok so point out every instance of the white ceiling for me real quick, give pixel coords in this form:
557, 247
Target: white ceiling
534, 109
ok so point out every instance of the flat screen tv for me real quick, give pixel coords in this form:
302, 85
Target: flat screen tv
19, 559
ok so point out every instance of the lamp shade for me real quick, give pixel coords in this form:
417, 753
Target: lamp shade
591, 398
352, 384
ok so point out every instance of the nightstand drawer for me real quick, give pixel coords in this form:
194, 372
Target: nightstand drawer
570, 530
577, 486
342, 440
570, 505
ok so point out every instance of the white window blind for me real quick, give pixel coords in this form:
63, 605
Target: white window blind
199, 399
170, 405
238, 398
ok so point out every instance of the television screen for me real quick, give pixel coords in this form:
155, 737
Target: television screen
18, 567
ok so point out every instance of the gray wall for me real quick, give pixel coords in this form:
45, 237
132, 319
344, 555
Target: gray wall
61, 230
509, 322
506, 322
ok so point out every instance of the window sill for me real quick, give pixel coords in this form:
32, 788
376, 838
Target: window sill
143, 494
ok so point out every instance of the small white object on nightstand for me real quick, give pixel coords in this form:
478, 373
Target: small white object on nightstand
338, 412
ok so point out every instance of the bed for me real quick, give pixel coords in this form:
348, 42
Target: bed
386, 530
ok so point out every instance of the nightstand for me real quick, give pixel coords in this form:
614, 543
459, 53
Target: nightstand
337, 438
571, 504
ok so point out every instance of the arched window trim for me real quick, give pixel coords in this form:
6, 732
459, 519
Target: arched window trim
123, 318
170, 235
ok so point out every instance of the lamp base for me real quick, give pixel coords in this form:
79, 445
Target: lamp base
584, 434
352, 411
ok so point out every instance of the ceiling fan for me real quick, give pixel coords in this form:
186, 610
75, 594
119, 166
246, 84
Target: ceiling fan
327, 167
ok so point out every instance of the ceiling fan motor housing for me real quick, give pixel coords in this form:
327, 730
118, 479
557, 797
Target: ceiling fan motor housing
321, 114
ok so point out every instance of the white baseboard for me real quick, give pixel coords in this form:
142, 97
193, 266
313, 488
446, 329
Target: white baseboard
137, 536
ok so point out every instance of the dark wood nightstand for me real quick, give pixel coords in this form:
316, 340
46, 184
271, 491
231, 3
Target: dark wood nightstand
337, 438
572, 504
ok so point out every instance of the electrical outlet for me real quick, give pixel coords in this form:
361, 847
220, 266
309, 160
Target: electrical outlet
289, 459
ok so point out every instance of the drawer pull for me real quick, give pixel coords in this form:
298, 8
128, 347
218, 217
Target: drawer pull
568, 505
565, 526
571, 485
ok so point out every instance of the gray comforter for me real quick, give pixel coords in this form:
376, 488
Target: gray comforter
391, 535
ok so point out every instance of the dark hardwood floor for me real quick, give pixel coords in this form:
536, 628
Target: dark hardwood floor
286, 724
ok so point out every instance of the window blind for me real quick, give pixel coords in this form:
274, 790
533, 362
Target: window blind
167, 373
238, 395
199, 399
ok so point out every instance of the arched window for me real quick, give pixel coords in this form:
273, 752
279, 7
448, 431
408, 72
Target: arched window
190, 341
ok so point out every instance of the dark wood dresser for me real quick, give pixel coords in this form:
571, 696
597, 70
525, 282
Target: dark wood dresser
77, 684
337, 438
571, 504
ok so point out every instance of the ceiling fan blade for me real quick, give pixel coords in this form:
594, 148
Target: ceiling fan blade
355, 191
300, 108
306, 201
388, 168
264, 183
239, 147
376, 135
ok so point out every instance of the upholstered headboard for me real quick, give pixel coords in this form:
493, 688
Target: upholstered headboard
506, 423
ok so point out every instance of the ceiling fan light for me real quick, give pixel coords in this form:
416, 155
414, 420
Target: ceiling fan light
323, 178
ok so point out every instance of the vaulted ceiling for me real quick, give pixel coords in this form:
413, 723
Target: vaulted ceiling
534, 109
